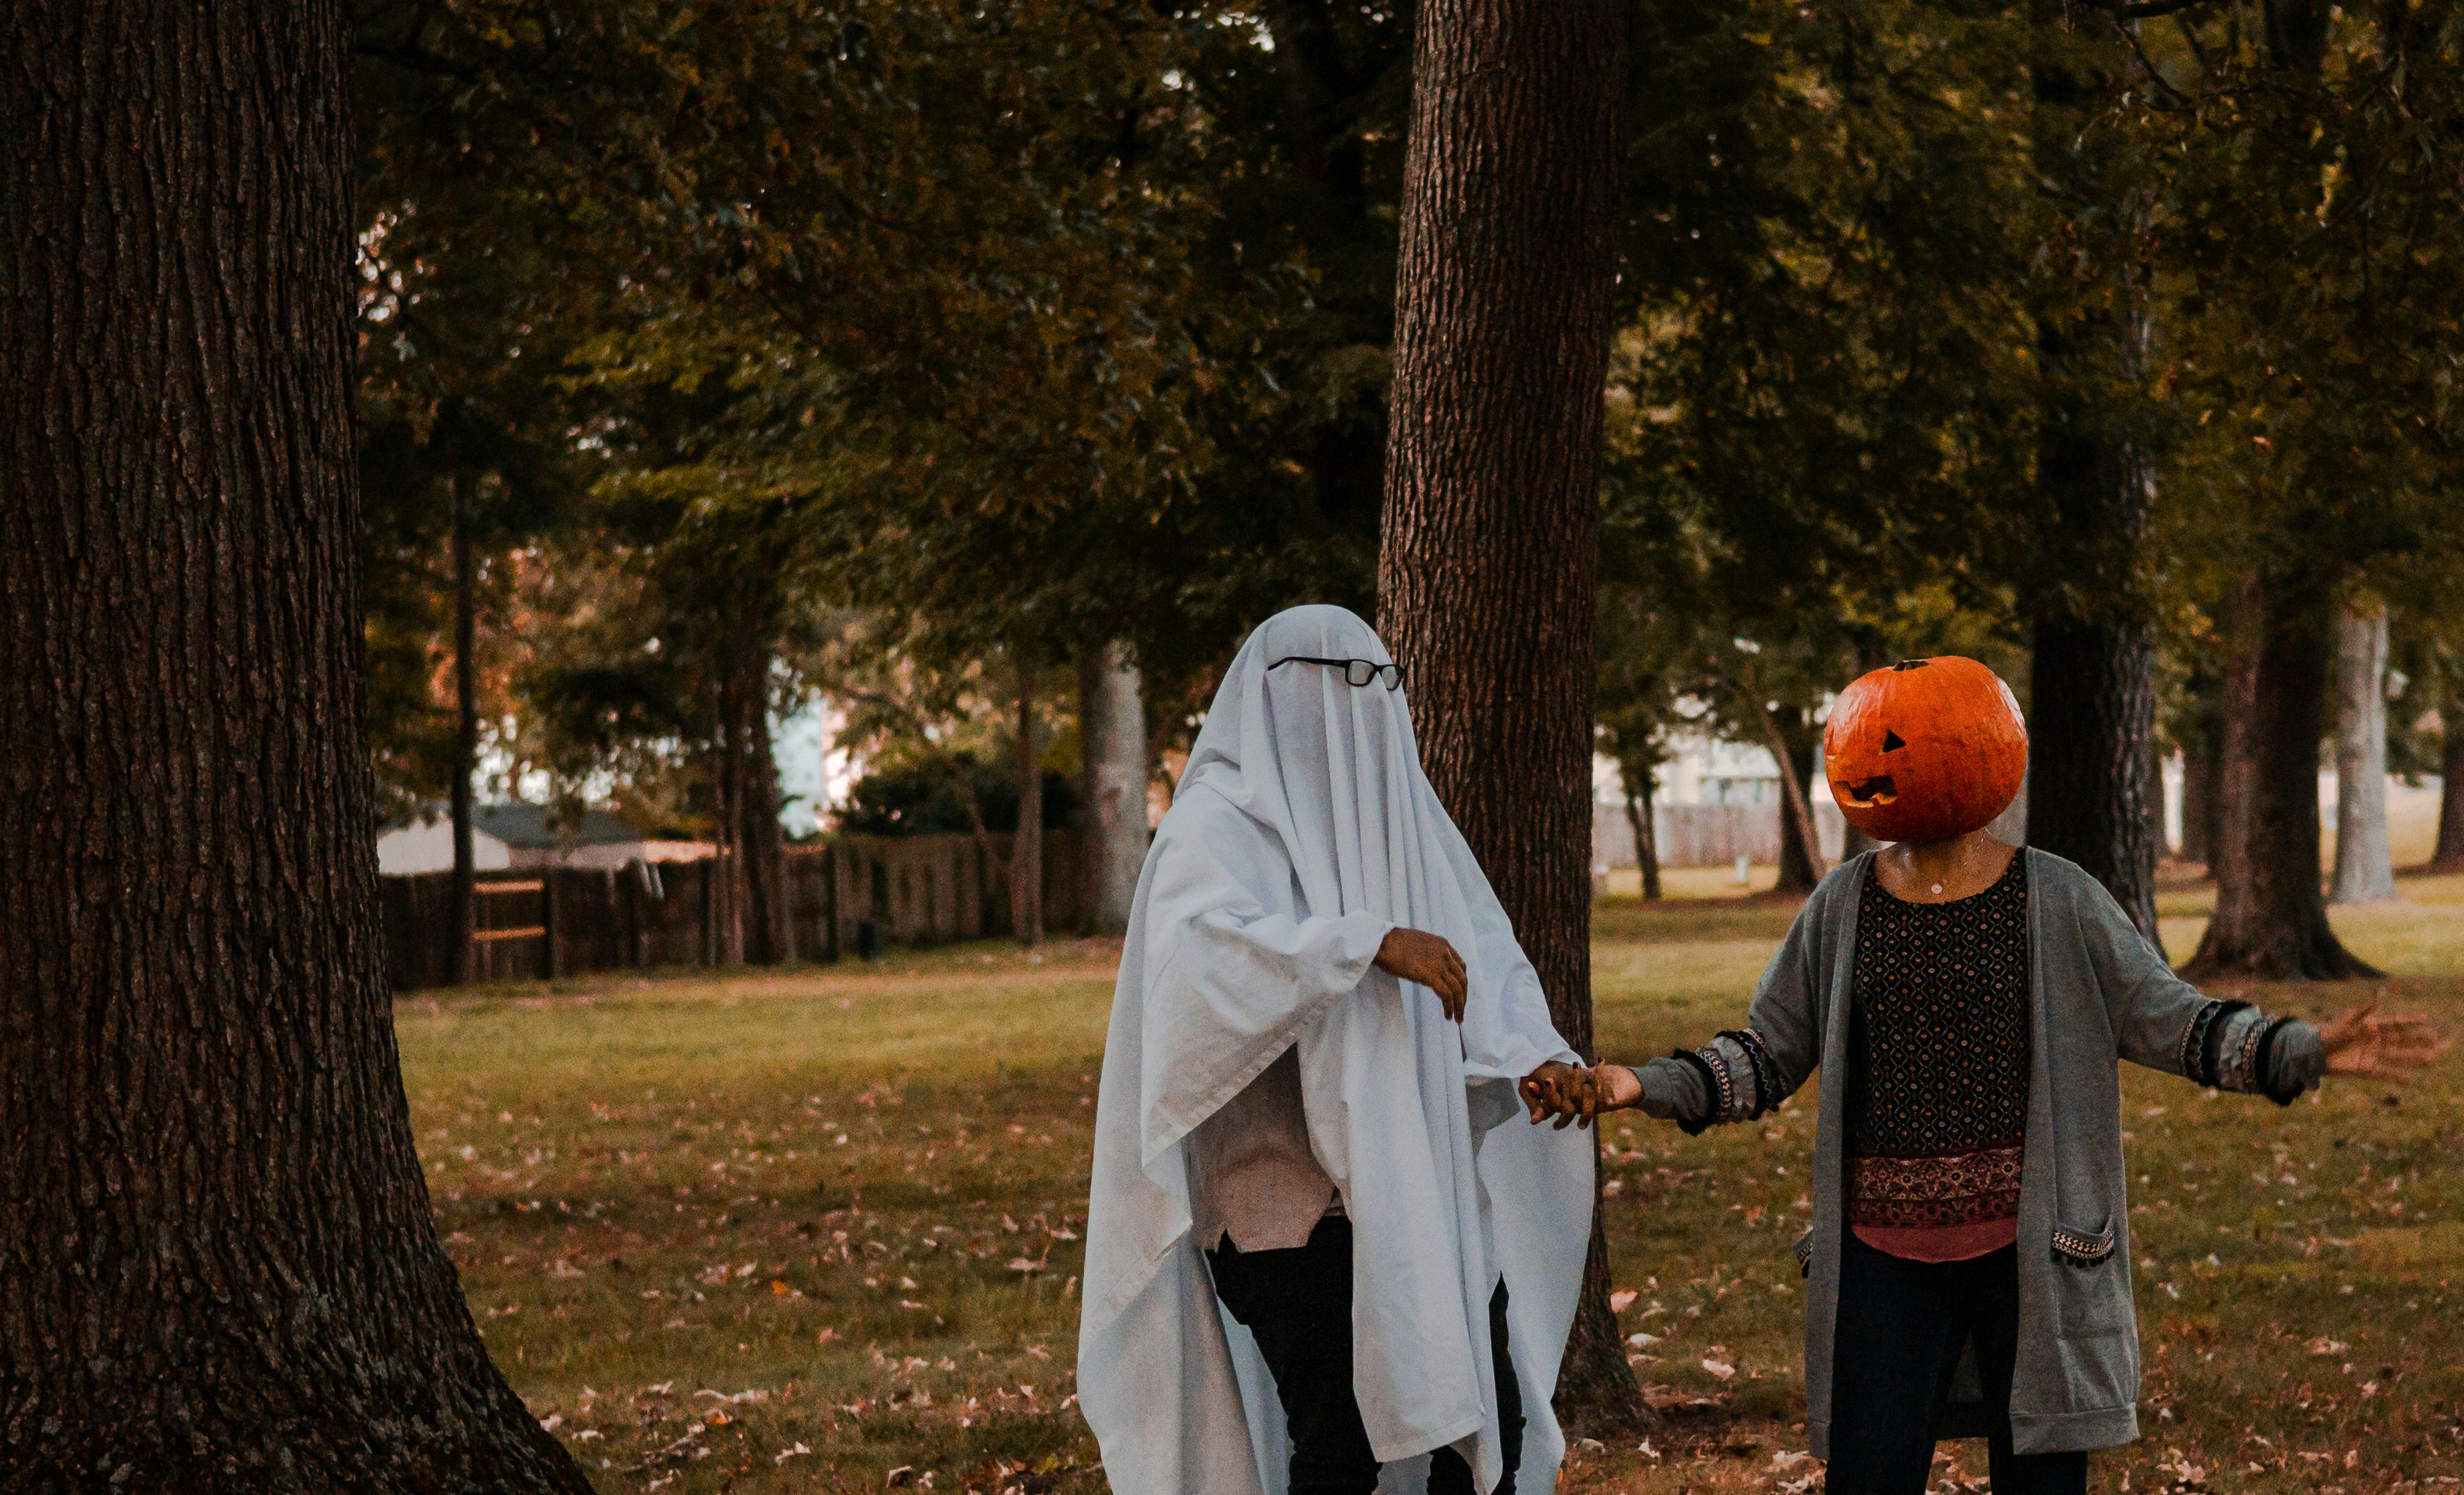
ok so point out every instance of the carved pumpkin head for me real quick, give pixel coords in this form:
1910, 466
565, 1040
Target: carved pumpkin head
1925, 750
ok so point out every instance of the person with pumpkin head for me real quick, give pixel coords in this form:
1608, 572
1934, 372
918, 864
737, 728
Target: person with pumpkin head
1968, 1265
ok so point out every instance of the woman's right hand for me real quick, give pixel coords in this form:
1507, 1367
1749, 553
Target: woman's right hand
1602, 1087
1414, 954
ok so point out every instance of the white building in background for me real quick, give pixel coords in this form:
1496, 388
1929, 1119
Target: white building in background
1711, 800
509, 836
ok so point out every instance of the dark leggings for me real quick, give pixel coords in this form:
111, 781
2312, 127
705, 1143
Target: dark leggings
1901, 1324
1297, 1305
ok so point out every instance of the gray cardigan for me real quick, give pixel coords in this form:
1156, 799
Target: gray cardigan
2099, 992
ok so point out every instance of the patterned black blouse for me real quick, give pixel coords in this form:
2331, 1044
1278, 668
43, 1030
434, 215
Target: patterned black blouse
1938, 1046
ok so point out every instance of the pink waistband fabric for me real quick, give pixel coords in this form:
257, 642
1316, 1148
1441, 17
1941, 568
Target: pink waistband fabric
1941, 1242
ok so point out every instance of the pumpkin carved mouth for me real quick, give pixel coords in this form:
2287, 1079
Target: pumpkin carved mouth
1877, 790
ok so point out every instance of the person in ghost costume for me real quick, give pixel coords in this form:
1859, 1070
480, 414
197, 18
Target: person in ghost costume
1326, 1252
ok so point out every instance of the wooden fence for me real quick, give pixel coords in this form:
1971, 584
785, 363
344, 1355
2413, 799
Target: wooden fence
1707, 835
850, 895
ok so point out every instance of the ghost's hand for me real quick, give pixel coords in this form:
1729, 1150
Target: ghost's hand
1549, 1090
1414, 954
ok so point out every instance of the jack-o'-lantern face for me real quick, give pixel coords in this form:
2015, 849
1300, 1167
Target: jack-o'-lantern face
1925, 750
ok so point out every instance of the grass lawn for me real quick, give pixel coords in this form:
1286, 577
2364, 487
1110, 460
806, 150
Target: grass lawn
799, 1232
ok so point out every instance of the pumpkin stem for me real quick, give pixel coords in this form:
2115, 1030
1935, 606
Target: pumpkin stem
1911, 664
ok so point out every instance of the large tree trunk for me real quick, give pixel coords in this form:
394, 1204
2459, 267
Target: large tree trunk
1112, 743
218, 1265
2271, 918
2449, 855
2094, 794
1487, 572
2364, 864
1026, 845
464, 891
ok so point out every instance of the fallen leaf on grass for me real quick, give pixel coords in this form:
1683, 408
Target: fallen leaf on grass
1668, 1398
1619, 1300
783, 1457
1720, 1369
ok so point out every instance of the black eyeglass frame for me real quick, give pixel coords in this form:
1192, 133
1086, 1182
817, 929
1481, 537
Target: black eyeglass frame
1366, 670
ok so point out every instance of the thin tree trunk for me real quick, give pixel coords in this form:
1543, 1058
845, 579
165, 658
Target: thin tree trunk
1487, 572
1090, 707
727, 816
2448, 854
2201, 802
1800, 838
2271, 917
1113, 734
770, 936
2094, 795
1638, 816
1027, 847
219, 1266
2364, 864
463, 894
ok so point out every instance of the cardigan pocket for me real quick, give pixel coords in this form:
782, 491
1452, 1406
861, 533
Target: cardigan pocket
2084, 1247
2089, 1282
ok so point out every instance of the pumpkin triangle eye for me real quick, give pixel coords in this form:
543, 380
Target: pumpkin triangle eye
1892, 741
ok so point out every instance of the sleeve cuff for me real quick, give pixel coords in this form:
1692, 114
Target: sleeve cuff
1684, 1091
2293, 1058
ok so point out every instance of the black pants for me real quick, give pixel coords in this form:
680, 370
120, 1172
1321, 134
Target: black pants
1901, 1324
1297, 1305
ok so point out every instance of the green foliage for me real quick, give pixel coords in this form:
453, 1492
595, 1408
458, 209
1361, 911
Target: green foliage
930, 797
1821, 402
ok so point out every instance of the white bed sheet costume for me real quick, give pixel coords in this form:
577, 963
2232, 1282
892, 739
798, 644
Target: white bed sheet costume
1302, 831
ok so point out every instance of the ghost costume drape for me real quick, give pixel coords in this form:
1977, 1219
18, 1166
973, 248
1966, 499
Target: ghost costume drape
1302, 832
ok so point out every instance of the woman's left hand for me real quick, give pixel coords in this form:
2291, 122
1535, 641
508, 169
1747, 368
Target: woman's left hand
2361, 1042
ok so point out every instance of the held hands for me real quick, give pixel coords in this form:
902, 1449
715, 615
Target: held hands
1413, 955
2361, 1042
1578, 1095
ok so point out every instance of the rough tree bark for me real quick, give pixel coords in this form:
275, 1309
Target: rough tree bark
2271, 918
1487, 572
2365, 862
464, 891
2448, 854
1026, 845
2094, 794
218, 1267
1112, 746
